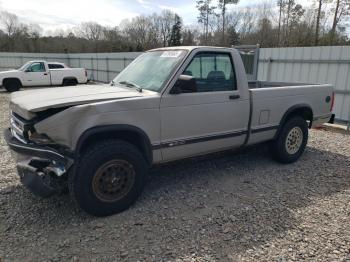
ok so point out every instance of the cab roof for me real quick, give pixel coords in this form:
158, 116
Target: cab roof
43, 61
190, 48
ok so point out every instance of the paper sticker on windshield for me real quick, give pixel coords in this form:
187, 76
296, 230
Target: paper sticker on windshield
173, 54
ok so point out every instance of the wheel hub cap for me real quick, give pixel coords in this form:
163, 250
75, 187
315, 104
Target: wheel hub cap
294, 140
113, 180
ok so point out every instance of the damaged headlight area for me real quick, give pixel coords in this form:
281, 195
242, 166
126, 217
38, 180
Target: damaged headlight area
41, 139
25, 132
20, 128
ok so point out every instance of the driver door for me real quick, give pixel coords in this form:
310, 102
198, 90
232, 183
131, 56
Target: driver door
37, 75
210, 118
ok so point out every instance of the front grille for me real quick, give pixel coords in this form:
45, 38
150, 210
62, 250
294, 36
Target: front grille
19, 128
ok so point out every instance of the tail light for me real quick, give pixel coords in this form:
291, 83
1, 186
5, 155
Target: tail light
332, 102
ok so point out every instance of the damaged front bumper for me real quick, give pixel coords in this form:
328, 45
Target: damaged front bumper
41, 169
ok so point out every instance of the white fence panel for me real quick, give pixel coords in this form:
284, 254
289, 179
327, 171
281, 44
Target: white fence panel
102, 66
324, 65
15, 60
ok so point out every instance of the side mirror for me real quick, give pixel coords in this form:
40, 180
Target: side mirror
185, 84
28, 70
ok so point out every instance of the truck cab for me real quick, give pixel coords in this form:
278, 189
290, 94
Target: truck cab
35, 73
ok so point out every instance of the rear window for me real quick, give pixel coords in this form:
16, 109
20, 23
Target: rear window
55, 66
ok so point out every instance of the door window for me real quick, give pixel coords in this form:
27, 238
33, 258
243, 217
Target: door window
212, 72
55, 66
37, 67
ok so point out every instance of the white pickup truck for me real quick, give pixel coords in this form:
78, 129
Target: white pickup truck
169, 104
42, 73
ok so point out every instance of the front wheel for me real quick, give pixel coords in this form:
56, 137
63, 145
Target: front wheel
108, 178
12, 85
291, 141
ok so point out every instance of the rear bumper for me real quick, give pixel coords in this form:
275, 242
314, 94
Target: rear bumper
40, 168
319, 120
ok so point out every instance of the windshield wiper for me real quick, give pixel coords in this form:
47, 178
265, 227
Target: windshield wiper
129, 84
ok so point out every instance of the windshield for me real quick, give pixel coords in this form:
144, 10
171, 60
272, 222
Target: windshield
151, 70
23, 67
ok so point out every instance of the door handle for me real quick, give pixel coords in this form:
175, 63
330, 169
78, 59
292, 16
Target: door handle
234, 97
45, 74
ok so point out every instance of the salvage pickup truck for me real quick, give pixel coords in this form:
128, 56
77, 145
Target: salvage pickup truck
41, 73
168, 104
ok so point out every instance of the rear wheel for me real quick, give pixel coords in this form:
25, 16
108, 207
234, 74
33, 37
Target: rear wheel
291, 141
12, 85
70, 82
108, 178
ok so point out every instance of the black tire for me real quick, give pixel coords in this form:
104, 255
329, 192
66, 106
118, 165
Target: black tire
12, 85
291, 141
87, 185
70, 82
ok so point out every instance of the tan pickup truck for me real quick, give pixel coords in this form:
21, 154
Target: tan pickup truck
169, 104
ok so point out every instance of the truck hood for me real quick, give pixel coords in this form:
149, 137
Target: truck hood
8, 72
27, 103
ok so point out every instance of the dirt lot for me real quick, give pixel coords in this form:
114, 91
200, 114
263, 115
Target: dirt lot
224, 207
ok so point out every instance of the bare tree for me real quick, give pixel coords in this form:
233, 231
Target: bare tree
206, 10
296, 26
341, 9
138, 30
247, 22
265, 31
90, 30
9, 22
189, 37
34, 30
318, 18
320, 4
166, 20
289, 4
235, 18
281, 5
222, 6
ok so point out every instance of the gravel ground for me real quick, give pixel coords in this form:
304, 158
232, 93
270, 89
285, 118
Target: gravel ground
224, 207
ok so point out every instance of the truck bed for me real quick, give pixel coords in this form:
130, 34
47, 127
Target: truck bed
271, 100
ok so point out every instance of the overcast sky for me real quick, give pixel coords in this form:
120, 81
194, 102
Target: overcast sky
63, 14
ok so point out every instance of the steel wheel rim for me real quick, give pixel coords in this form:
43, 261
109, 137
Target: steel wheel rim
113, 180
294, 140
